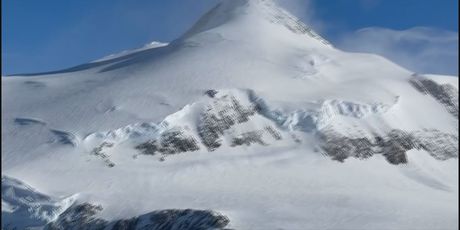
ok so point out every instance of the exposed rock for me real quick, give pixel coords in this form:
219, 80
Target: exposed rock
175, 142
211, 93
220, 116
149, 147
81, 216
443, 93
439, 145
184, 219
222, 113
99, 153
280, 16
84, 216
170, 142
393, 146
341, 147
23, 207
274, 133
248, 138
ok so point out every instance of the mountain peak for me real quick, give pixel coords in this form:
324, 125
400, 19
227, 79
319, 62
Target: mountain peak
252, 15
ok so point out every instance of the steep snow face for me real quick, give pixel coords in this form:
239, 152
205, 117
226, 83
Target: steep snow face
263, 13
23, 206
241, 115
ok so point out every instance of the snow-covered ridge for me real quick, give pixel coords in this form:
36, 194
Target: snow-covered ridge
151, 45
229, 118
280, 16
229, 10
320, 114
221, 118
23, 206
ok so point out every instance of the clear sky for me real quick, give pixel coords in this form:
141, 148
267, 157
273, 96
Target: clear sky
48, 35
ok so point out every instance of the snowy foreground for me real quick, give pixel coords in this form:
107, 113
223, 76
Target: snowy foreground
250, 120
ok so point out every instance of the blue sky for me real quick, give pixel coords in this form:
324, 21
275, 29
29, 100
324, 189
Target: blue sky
46, 35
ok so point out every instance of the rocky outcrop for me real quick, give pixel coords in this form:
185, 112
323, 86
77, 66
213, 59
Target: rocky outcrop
445, 94
170, 142
98, 151
23, 207
248, 138
439, 145
219, 117
393, 146
84, 216
229, 115
80, 216
240, 118
340, 147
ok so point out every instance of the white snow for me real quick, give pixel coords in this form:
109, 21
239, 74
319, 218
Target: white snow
443, 79
150, 45
248, 49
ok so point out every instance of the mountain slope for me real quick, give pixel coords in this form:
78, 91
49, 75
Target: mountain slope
250, 113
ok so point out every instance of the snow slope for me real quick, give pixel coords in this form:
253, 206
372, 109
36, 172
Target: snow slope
250, 114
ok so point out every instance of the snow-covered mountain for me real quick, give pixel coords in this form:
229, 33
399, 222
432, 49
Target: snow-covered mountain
250, 120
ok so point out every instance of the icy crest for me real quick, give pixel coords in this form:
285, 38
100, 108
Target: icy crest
248, 11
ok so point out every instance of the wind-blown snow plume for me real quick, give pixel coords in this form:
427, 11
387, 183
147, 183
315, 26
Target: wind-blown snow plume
420, 49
